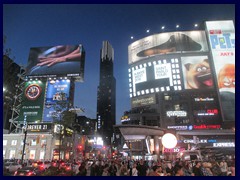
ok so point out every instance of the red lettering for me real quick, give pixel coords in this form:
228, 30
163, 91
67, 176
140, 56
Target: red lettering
226, 54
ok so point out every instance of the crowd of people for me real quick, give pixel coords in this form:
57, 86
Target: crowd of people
157, 168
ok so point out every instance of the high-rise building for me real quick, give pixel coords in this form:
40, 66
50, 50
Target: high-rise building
106, 100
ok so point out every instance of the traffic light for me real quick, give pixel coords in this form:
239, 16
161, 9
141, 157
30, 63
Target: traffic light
104, 147
80, 147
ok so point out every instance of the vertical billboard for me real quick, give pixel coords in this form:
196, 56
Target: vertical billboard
167, 43
57, 99
32, 102
196, 72
221, 36
53, 61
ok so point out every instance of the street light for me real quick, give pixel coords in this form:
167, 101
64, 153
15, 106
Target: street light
24, 141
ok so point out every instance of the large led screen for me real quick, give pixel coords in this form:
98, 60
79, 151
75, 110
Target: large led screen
197, 73
155, 76
167, 43
221, 35
57, 99
52, 61
32, 102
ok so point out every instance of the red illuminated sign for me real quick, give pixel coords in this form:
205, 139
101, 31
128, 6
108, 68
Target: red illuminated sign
204, 126
166, 150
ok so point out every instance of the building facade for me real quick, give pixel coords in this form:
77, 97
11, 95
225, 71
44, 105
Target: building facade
106, 97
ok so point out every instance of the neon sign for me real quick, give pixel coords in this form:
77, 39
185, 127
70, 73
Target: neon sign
231, 144
174, 150
177, 113
208, 112
204, 126
204, 99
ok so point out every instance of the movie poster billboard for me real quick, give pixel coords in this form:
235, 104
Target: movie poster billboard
53, 61
197, 72
57, 99
221, 35
167, 43
32, 102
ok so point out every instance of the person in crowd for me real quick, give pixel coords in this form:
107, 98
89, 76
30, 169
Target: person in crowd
179, 170
123, 170
134, 170
206, 169
186, 169
169, 169
197, 169
155, 171
112, 169
216, 170
105, 170
224, 168
82, 170
142, 169
93, 169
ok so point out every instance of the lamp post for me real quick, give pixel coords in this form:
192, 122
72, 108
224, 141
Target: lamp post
24, 142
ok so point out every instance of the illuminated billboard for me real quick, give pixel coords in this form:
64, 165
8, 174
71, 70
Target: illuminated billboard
57, 99
167, 43
143, 101
32, 102
154, 76
53, 61
197, 73
221, 35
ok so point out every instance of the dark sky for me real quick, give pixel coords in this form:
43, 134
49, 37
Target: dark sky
45, 25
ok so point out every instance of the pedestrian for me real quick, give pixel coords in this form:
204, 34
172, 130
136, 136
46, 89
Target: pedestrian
216, 170
105, 170
82, 170
142, 169
179, 170
112, 169
224, 168
197, 169
169, 169
93, 169
123, 170
134, 170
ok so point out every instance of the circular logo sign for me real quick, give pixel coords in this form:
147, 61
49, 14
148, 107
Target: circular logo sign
33, 91
169, 140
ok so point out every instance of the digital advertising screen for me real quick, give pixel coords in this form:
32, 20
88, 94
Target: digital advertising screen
32, 102
53, 61
221, 35
154, 76
167, 43
57, 98
197, 72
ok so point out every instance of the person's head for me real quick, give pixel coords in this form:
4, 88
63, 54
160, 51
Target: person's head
141, 162
156, 168
169, 165
198, 164
179, 171
134, 165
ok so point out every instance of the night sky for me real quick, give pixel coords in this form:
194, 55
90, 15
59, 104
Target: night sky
29, 26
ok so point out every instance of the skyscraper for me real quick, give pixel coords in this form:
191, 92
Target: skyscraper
106, 100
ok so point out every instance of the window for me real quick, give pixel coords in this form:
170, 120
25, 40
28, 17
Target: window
14, 142
4, 153
33, 142
12, 154
42, 154
43, 141
32, 154
4, 142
